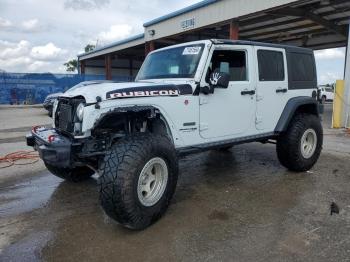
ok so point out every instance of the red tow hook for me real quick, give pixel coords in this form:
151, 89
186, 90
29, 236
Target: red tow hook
51, 138
35, 128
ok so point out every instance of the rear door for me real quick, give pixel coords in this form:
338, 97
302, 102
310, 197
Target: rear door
272, 86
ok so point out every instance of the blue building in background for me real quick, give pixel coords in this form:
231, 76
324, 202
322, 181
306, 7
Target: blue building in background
22, 88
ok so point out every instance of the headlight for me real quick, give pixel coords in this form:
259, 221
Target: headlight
80, 111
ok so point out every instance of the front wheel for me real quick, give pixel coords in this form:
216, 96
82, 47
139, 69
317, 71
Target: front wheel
137, 180
300, 146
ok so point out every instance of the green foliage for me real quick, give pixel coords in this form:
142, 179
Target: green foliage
89, 48
71, 65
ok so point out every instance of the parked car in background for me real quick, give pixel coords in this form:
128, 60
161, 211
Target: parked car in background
326, 93
49, 101
51, 98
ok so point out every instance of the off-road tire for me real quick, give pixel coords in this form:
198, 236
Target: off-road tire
289, 143
76, 174
224, 148
119, 175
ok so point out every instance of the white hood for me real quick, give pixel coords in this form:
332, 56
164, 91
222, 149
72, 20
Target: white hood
107, 90
90, 92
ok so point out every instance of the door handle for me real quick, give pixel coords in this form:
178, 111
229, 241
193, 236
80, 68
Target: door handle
281, 90
248, 92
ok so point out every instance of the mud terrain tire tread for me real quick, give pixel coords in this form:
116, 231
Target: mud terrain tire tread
119, 173
288, 144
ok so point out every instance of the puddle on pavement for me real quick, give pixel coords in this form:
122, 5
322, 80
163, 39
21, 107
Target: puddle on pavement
27, 196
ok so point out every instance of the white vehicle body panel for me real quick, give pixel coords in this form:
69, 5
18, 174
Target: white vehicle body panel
228, 104
199, 119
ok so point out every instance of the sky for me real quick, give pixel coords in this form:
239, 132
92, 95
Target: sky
41, 35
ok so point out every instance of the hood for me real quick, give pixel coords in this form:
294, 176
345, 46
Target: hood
53, 95
127, 90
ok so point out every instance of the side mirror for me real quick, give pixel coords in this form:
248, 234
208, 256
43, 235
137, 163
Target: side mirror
219, 80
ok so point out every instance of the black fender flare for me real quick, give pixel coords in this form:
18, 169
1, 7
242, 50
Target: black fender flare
303, 104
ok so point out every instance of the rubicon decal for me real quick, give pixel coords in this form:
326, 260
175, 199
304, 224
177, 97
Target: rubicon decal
142, 93
150, 91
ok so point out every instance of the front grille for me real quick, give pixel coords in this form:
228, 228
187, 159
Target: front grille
65, 113
65, 121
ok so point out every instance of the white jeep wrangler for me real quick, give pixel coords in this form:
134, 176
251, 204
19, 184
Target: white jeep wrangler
186, 98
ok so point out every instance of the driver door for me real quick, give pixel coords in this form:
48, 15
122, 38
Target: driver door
229, 113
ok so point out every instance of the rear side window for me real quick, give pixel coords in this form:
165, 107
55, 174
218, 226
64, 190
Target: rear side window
302, 67
271, 66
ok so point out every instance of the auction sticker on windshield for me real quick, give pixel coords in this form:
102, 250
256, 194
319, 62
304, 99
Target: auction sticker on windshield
192, 50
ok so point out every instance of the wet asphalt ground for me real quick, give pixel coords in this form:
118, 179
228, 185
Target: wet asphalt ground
240, 205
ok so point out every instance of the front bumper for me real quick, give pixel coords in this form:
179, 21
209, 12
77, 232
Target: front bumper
54, 148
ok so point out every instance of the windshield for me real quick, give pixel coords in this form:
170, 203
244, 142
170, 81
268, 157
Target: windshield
178, 62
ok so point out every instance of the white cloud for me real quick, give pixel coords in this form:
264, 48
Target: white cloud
329, 78
23, 57
85, 4
12, 50
115, 32
47, 52
38, 66
333, 53
30, 25
15, 64
4, 23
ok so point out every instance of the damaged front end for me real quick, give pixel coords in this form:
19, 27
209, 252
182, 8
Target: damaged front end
64, 146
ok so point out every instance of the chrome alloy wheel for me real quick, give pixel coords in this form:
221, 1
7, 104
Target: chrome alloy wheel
308, 143
152, 182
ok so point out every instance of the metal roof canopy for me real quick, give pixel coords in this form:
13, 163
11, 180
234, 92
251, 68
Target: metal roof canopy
316, 24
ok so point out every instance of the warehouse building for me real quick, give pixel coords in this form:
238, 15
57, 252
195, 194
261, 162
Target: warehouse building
316, 24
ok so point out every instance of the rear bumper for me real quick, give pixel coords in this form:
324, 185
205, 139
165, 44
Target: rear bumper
54, 148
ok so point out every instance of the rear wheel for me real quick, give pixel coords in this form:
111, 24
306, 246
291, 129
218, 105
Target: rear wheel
76, 174
324, 99
300, 146
138, 179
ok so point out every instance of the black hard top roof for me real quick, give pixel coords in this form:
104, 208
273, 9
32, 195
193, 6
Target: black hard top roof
255, 43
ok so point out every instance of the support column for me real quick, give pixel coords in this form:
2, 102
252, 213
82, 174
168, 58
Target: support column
82, 67
149, 47
108, 67
234, 30
346, 97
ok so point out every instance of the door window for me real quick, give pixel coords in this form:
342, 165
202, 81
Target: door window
231, 62
271, 65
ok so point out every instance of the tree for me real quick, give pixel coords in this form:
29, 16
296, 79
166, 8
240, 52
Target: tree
71, 65
89, 48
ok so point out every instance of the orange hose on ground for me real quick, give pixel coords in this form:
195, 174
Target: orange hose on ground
14, 158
